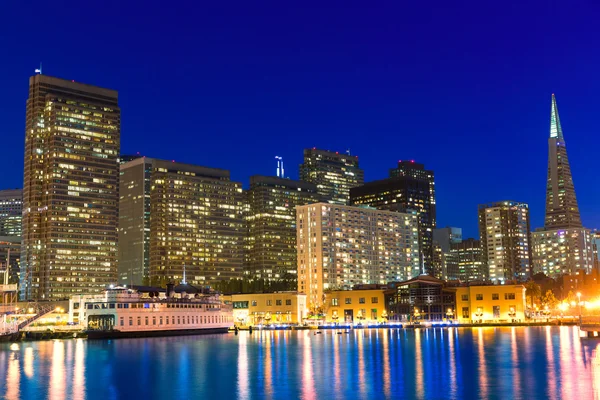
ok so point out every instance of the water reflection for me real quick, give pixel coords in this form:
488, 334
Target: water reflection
550, 362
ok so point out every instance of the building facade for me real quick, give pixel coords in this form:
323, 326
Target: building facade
504, 233
279, 308
423, 298
70, 189
563, 251
447, 236
342, 246
490, 304
134, 221
333, 173
196, 223
469, 261
563, 246
410, 188
271, 220
364, 304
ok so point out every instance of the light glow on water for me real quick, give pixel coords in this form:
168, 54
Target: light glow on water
462, 363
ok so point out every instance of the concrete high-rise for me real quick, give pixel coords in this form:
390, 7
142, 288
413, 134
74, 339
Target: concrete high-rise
504, 233
196, 223
563, 246
333, 173
70, 189
271, 219
342, 246
410, 188
446, 236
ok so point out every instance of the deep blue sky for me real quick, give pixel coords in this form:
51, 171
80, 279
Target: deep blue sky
463, 87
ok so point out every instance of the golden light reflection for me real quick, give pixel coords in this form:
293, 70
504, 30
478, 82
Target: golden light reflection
79, 370
57, 371
514, 353
28, 362
13, 376
308, 384
242, 378
483, 383
566, 354
419, 364
596, 372
387, 384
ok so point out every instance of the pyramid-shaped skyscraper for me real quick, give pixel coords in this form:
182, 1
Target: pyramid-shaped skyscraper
563, 246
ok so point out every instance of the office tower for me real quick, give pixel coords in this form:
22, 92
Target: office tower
563, 246
469, 260
196, 223
334, 174
341, 246
11, 212
504, 233
134, 221
446, 236
271, 220
595, 250
11, 215
70, 189
410, 188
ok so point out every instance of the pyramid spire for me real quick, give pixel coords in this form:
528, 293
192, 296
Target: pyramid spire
555, 128
562, 210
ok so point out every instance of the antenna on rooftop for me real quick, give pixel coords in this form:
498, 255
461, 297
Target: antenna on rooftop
280, 172
39, 70
348, 152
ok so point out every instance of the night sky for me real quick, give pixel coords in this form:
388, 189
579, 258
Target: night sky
464, 88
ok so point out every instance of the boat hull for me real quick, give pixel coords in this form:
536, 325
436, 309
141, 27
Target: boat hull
158, 333
10, 337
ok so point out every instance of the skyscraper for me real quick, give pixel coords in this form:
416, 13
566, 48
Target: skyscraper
342, 246
11, 215
271, 219
334, 174
446, 236
563, 246
469, 260
504, 233
410, 188
196, 223
70, 192
11, 212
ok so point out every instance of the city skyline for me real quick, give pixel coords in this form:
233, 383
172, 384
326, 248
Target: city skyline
263, 79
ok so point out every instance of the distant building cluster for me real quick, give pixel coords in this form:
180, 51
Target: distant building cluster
89, 217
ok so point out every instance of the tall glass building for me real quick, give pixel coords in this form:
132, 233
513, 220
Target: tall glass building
271, 219
70, 189
333, 173
11, 212
177, 217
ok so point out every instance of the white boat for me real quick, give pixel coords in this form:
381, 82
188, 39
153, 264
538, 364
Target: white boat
124, 312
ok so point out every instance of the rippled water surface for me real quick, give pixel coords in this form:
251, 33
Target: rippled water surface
507, 363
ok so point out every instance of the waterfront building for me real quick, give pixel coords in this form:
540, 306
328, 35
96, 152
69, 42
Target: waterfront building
364, 304
195, 227
468, 256
490, 304
11, 212
277, 308
563, 246
333, 173
410, 188
504, 233
271, 220
342, 246
423, 298
70, 189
